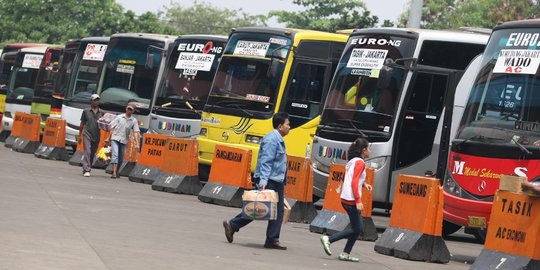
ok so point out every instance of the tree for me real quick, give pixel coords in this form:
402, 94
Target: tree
203, 18
328, 16
452, 14
55, 21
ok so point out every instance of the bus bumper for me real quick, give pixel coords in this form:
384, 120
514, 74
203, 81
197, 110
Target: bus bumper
320, 180
458, 210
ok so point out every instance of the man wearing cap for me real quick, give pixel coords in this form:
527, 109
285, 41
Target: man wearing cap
121, 126
89, 133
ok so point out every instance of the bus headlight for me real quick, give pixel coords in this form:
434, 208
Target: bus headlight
451, 186
376, 163
253, 139
203, 132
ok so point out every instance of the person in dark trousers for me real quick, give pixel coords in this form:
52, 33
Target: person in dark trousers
270, 170
121, 127
89, 133
351, 194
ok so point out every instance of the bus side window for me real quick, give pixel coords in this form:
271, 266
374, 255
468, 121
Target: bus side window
304, 94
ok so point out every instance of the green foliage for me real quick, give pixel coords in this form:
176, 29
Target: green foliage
55, 21
328, 16
452, 14
203, 18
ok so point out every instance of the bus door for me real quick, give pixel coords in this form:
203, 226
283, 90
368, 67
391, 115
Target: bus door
416, 146
306, 87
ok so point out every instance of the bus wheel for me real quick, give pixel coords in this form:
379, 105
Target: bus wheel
449, 228
480, 235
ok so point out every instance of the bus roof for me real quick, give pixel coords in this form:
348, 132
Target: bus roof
158, 37
218, 37
532, 23
96, 39
464, 36
294, 33
34, 50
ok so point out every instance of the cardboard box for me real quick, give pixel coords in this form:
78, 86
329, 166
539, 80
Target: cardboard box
260, 205
511, 183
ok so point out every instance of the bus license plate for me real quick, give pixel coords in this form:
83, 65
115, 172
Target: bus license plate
477, 222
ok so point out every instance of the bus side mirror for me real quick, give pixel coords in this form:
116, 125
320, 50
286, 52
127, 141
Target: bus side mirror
149, 61
273, 70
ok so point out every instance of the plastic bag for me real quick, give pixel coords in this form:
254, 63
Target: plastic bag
104, 122
104, 154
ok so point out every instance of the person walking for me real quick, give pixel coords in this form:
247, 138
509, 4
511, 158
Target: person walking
351, 194
270, 170
121, 127
89, 133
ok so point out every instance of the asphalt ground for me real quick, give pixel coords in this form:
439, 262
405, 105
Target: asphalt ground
51, 217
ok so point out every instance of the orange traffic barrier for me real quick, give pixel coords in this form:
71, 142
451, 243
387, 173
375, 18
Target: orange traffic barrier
150, 159
53, 144
333, 218
28, 141
16, 129
230, 174
179, 177
417, 238
512, 240
299, 189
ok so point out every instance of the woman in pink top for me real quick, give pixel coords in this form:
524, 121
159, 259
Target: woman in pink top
351, 194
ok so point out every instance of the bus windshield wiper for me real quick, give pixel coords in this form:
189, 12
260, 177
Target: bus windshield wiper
352, 122
508, 135
231, 103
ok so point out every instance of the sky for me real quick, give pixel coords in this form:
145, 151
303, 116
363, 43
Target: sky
384, 9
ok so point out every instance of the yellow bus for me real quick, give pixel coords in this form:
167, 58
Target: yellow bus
264, 71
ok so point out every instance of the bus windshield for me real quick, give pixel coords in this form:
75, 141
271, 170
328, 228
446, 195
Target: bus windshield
65, 70
88, 64
189, 74
23, 77
504, 106
365, 88
126, 77
243, 79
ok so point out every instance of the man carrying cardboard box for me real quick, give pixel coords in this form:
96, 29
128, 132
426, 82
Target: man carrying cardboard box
270, 170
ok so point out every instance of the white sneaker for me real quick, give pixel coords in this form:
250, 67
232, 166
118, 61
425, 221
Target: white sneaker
86, 174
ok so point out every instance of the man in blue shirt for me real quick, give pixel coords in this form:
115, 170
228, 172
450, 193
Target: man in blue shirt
270, 170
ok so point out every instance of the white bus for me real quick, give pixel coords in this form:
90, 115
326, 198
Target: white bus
129, 73
191, 65
393, 85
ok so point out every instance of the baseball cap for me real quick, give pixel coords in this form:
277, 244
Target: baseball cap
129, 106
94, 97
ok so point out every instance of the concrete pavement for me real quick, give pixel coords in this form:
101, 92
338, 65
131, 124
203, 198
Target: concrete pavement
53, 218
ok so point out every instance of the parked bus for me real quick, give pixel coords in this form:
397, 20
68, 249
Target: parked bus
392, 85
45, 83
130, 73
6, 66
264, 71
79, 77
22, 82
500, 129
191, 64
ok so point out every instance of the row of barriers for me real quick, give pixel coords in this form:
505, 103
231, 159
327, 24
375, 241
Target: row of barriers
170, 164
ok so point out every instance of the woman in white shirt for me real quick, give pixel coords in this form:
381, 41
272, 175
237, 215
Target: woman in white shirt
351, 198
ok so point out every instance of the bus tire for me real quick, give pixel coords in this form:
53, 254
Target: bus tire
480, 235
449, 228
